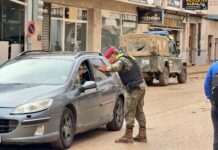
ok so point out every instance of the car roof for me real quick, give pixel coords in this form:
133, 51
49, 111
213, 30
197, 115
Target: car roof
56, 55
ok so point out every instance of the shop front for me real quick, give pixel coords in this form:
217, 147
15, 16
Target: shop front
12, 20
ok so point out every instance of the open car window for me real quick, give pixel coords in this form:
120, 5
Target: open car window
99, 75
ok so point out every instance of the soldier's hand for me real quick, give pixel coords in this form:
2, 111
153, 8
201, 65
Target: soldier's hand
104, 68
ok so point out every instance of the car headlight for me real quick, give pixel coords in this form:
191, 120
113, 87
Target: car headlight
33, 107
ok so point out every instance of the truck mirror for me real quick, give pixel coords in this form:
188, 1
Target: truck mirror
177, 43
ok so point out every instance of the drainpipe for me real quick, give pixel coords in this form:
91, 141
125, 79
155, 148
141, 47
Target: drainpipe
29, 18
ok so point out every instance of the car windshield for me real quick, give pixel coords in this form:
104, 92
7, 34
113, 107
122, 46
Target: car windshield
36, 71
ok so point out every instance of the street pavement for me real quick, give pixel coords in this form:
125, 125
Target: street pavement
178, 118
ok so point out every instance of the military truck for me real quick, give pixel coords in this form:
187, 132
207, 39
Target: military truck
157, 56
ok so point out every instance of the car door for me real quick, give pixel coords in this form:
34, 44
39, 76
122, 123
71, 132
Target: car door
107, 88
174, 61
88, 101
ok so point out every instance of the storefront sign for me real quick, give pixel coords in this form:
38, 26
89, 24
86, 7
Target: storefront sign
57, 12
150, 16
111, 19
195, 4
170, 23
129, 21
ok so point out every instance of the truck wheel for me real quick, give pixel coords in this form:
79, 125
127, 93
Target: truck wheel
149, 82
164, 77
183, 76
118, 117
66, 130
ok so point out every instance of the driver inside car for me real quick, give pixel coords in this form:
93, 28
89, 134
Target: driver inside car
83, 75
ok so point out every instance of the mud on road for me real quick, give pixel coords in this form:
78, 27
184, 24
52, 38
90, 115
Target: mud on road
178, 118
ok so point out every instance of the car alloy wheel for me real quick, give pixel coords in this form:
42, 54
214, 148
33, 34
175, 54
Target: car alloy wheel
67, 129
118, 118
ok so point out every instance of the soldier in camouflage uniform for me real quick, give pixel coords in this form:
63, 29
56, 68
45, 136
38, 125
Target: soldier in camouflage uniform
134, 85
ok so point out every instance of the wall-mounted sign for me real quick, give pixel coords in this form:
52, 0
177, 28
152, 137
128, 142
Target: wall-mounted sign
195, 4
146, 16
174, 3
129, 21
170, 23
57, 12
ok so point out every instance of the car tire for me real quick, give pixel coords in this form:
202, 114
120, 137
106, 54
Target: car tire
183, 76
66, 130
164, 77
118, 116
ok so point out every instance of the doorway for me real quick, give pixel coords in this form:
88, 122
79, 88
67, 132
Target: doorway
210, 37
216, 49
192, 34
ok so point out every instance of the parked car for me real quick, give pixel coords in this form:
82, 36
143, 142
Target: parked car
157, 56
42, 99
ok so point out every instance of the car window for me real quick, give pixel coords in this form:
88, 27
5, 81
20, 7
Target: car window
172, 48
99, 75
83, 74
36, 71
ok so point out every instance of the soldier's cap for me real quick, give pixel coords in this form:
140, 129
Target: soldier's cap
109, 52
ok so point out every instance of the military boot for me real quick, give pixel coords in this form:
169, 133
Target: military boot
127, 138
141, 137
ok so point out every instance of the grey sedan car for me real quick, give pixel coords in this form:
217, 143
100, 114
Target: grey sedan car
49, 97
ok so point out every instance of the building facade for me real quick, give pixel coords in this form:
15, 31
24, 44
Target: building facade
95, 25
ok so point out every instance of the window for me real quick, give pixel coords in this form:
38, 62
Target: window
12, 22
172, 48
56, 35
70, 41
99, 75
174, 3
114, 25
111, 30
68, 28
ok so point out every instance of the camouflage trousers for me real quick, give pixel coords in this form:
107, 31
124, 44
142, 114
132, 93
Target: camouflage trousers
133, 108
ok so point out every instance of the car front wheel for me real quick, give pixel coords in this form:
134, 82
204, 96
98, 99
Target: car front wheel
66, 130
118, 116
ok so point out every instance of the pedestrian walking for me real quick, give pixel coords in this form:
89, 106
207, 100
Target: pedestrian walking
134, 84
211, 91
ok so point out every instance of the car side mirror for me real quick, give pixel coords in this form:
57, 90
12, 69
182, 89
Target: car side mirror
88, 85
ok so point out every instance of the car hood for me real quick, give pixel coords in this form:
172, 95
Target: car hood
13, 95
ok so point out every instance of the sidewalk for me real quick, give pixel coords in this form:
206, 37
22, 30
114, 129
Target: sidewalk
198, 69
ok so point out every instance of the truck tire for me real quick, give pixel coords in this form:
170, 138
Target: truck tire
183, 76
164, 77
149, 82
